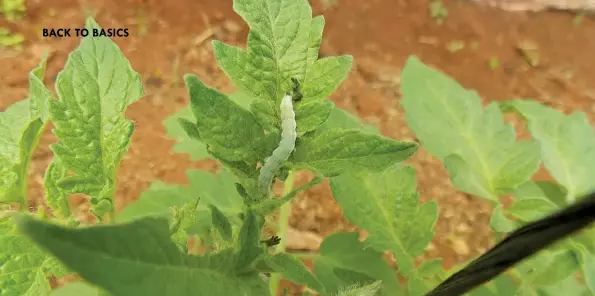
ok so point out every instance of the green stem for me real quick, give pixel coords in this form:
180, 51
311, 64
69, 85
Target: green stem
283, 224
24, 181
24, 186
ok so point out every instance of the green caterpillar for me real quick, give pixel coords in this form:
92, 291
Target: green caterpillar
287, 143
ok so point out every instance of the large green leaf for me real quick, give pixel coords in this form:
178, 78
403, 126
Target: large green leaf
94, 89
283, 43
21, 125
479, 150
386, 205
334, 151
567, 144
138, 258
229, 131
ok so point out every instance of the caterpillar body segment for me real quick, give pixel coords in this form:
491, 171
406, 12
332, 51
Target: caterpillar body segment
286, 145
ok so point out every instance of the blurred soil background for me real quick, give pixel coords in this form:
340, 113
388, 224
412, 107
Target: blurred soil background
528, 53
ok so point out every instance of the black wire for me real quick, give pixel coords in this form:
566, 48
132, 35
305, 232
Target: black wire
518, 245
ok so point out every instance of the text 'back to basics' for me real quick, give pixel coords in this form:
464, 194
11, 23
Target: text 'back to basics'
83, 32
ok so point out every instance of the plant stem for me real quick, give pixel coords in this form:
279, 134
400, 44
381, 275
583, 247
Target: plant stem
24, 181
283, 224
24, 186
